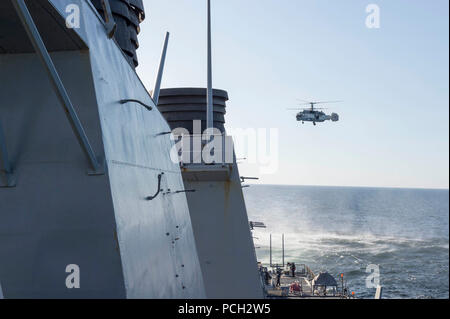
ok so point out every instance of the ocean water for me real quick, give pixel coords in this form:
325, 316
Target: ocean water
343, 230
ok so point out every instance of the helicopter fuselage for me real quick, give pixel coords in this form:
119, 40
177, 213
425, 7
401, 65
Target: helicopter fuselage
316, 116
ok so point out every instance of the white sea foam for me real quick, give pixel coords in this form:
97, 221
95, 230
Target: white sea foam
405, 232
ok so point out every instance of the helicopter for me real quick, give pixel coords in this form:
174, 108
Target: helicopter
316, 115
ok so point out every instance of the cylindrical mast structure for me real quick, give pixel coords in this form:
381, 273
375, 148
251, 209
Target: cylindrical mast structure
210, 105
159, 76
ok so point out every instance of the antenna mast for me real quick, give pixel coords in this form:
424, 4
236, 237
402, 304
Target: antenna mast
157, 89
209, 106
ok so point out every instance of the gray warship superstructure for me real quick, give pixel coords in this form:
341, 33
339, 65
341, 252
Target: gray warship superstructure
87, 183
216, 203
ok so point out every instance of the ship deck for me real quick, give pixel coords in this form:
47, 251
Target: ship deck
284, 291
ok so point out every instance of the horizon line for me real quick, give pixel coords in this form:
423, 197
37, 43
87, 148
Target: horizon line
380, 187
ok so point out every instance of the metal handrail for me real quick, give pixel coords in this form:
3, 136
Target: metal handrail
148, 107
158, 190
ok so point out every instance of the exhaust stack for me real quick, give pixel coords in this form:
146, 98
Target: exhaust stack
128, 15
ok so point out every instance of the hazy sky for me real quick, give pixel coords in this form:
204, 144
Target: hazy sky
267, 53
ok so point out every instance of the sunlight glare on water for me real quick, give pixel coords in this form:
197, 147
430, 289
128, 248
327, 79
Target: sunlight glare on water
403, 231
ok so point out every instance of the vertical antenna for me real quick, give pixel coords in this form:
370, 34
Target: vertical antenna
209, 106
282, 247
157, 89
270, 250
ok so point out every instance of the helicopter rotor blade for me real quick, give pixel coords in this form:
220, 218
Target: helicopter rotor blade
327, 102
320, 102
309, 109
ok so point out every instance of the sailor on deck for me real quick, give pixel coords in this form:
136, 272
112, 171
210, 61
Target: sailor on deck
278, 277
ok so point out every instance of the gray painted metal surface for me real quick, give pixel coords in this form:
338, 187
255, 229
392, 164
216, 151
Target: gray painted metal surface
124, 245
222, 234
7, 180
56, 215
217, 207
55, 36
35, 38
